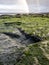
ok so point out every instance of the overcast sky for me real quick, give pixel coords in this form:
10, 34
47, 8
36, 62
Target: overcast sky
16, 6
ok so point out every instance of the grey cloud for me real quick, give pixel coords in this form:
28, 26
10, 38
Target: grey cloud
24, 6
7, 2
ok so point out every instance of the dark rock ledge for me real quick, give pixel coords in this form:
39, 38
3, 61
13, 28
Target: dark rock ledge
10, 44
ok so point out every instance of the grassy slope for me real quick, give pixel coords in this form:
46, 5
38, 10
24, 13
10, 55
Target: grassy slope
34, 54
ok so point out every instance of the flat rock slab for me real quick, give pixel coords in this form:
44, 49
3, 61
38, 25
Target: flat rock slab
9, 50
10, 44
6, 42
